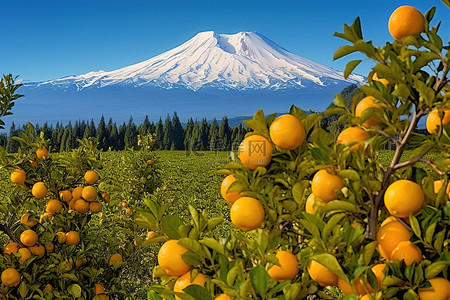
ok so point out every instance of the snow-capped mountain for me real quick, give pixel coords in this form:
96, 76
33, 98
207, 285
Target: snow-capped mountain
242, 61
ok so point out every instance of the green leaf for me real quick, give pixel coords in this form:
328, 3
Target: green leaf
429, 233
170, 225
350, 67
343, 51
213, 244
152, 295
259, 279
334, 111
415, 226
74, 290
339, 101
212, 223
23, 289
369, 250
198, 292
337, 205
435, 268
352, 175
330, 225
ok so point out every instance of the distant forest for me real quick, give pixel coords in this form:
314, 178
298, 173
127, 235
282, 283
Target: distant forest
170, 134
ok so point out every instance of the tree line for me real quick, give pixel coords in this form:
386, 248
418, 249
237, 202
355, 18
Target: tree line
170, 134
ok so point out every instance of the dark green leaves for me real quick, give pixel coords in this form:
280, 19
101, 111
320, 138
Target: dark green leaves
259, 279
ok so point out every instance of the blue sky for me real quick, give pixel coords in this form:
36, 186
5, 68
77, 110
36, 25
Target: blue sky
44, 40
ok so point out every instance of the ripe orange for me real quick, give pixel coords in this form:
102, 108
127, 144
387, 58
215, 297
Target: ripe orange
49, 247
89, 193
185, 280
352, 135
29, 238
91, 177
288, 268
72, 238
434, 120
11, 248
25, 219
382, 80
311, 202
365, 103
222, 297
48, 288
128, 211
98, 289
347, 289
124, 204
81, 206
54, 206
106, 197
247, 213
33, 163
10, 277
61, 237
367, 297
42, 153
46, 217
287, 132
438, 185
323, 185
440, 290
404, 21
38, 250
39, 190
25, 254
65, 196
151, 234
169, 258
115, 258
149, 162
95, 206
388, 237
408, 252
255, 151
379, 270
77, 192
404, 197
321, 274
18, 176
230, 197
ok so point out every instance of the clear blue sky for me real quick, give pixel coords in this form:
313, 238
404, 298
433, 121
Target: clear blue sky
42, 40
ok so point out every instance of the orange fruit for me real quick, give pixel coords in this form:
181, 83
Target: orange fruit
29, 238
48, 288
49, 247
18, 176
77, 192
81, 206
39, 190
324, 184
287, 132
222, 297
352, 135
38, 250
151, 234
72, 238
388, 220
128, 211
169, 258
388, 237
438, 184
10, 277
11, 248
124, 204
42, 153
33, 163
403, 197
95, 206
25, 219
404, 21
185, 280
61, 237
255, 151
65, 196
115, 258
247, 213
288, 268
25, 254
91, 177
54, 206
434, 120
382, 80
230, 197
379, 270
149, 162
347, 289
98, 289
439, 290
89, 193
311, 202
407, 252
365, 103
321, 274
367, 297
106, 197
46, 217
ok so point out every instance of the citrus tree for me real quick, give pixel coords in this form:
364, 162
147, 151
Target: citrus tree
319, 218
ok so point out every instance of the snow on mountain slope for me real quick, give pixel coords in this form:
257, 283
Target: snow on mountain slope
242, 61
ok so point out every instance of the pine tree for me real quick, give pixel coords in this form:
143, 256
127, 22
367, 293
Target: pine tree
188, 133
144, 128
224, 135
113, 137
121, 137
167, 134
159, 131
101, 133
12, 146
131, 139
204, 132
177, 134
109, 128
213, 135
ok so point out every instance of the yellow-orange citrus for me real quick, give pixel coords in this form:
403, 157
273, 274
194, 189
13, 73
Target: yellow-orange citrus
438, 184
33, 163
287, 132
321, 274
46, 217
49, 247
382, 80
169, 258
288, 268
151, 234
39, 190
89, 193
25, 254
81, 206
311, 202
98, 289
222, 297
25, 219
54, 206
106, 197
439, 290
72, 238
65, 196
357, 288
403, 197
10, 277
255, 151
61, 237
324, 184
353, 135
11, 248
367, 297
91, 177
29, 238
18, 176
115, 258
379, 270
38, 250
434, 120
42, 153
388, 237
48, 288
185, 280
230, 197
404, 21
365, 103
95, 206
124, 204
408, 252
247, 213
77, 192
